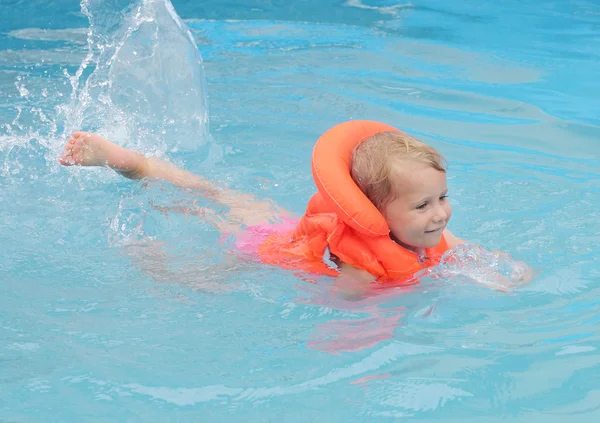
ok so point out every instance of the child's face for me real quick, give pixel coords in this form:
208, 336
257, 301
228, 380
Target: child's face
418, 217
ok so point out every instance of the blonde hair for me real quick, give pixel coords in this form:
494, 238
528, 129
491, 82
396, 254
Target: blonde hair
375, 163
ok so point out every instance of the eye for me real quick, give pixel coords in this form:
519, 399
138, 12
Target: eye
422, 206
444, 197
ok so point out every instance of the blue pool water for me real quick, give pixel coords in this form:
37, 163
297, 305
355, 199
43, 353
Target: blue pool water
111, 310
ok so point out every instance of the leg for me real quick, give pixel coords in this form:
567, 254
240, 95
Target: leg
155, 263
88, 149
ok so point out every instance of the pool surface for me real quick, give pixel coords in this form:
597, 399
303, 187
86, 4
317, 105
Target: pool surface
118, 302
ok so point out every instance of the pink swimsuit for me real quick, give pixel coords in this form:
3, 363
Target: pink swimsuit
252, 237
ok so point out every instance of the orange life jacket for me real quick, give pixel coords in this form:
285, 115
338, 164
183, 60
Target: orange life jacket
341, 217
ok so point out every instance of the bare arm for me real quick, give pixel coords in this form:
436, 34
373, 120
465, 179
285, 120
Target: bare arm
451, 239
522, 273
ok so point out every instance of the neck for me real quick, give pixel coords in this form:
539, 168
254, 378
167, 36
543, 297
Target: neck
417, 250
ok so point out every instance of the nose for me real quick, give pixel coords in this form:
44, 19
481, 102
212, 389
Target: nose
440, 214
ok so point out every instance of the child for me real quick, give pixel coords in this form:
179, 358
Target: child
381, 211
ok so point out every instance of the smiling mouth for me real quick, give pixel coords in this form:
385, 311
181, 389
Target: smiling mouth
435, 230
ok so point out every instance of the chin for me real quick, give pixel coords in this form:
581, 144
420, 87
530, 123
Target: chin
430, 243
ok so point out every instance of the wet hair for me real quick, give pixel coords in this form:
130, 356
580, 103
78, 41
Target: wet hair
377, 160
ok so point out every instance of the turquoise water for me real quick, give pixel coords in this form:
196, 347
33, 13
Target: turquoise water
113, 310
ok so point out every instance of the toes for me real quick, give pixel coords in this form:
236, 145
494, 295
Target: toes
73, 148
66, 157
68, 146
66, 160
79, 134
76, 147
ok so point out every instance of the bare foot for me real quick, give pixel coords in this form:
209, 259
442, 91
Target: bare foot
88, 149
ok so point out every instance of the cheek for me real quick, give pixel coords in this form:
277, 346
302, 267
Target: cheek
406, 227
448, 209
399, 224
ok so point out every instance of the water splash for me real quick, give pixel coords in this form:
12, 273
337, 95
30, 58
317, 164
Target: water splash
142, 80
471, 263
